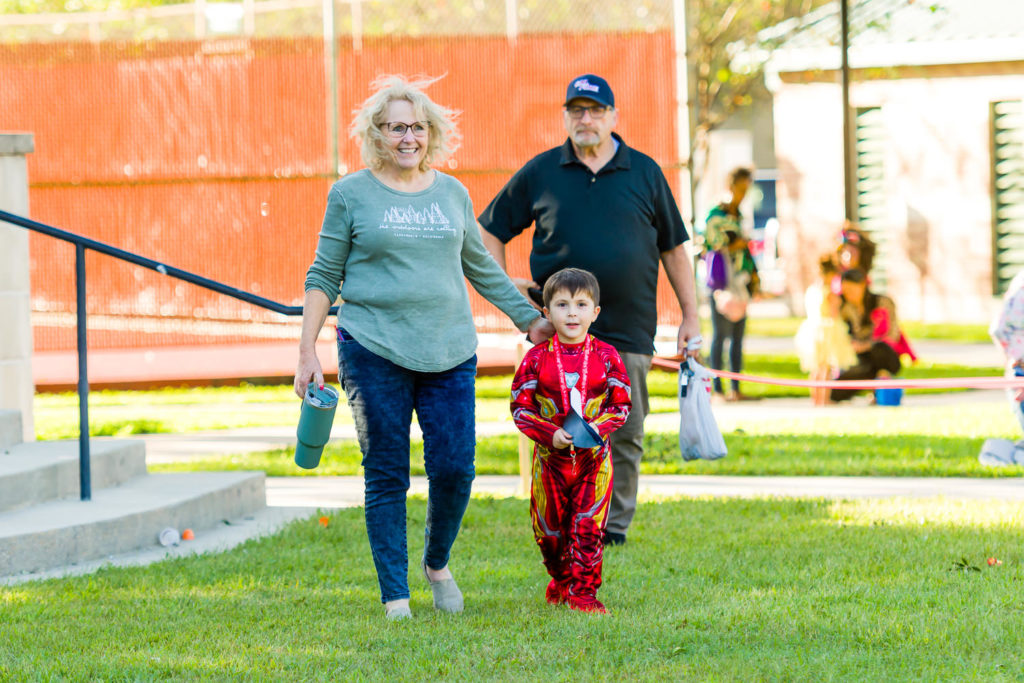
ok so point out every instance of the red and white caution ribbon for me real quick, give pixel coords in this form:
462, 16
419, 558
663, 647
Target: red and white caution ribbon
931, 383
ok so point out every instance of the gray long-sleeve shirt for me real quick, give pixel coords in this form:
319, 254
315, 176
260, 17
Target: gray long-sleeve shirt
400, 258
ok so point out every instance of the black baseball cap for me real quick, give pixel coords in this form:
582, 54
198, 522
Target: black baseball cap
592, 87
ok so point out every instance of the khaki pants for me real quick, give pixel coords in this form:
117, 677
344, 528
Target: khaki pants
628, 445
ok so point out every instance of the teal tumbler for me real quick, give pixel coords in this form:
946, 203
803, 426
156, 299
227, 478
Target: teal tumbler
315, 421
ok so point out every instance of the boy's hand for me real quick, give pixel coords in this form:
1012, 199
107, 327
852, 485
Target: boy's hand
561, 439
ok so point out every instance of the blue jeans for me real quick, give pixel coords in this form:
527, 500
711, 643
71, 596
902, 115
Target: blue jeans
724, 329
382, 396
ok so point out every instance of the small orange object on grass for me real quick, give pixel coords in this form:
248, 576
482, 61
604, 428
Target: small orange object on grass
188, 535
992, 562
323, 521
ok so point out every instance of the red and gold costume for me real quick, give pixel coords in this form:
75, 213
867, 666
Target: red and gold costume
571, 488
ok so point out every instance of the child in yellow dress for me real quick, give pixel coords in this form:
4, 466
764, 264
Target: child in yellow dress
823, 342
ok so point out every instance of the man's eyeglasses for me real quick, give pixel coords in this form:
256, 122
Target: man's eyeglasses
397, 129
597, 111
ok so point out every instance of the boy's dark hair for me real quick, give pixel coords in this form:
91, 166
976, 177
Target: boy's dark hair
572, 280
740, 173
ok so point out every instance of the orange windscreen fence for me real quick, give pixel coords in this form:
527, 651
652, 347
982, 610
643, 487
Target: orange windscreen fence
215, 156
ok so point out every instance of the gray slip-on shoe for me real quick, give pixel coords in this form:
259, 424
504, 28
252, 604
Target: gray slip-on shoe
996, 453
447, 596
397, 613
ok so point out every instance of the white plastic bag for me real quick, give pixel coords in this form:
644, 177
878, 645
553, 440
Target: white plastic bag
699, 436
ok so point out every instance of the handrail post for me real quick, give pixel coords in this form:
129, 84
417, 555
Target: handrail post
81, 245
84, 473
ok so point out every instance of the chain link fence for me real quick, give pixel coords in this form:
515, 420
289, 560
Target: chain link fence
204, 135
352, 18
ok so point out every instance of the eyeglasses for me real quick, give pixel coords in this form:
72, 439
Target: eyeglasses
397, 129
597, 111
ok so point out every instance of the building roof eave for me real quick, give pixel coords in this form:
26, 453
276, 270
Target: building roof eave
886, 55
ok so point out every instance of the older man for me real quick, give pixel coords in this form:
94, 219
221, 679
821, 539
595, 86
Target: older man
606, 208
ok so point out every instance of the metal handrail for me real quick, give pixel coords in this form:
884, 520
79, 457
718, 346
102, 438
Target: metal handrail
81, 244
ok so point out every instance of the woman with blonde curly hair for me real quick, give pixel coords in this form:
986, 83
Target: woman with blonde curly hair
398, 237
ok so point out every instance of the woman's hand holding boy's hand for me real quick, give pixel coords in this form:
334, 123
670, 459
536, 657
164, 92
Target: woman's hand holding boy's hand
561, 439
540, 330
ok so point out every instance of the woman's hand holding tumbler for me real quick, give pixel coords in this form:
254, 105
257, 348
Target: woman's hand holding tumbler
309, 367
314, 313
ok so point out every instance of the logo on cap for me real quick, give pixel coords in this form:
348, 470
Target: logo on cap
584, 84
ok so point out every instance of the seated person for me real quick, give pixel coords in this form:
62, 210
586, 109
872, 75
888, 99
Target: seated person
823, 342
874, 333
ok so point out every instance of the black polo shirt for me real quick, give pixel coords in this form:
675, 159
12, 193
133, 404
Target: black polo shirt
614, 223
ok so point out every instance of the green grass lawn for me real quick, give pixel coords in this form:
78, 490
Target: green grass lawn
905, 441
179, 410
183, 410
787, 366
950, 332
711, 590
921, 441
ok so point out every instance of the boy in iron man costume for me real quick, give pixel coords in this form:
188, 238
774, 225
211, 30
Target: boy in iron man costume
571, 485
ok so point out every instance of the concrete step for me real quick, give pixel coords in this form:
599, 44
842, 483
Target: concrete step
42, 471
125, 518
10, 429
